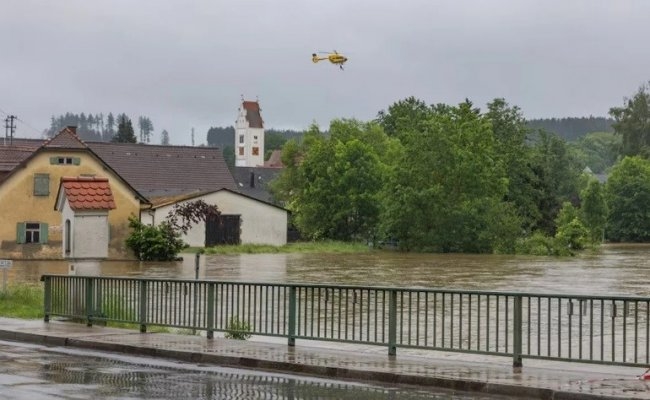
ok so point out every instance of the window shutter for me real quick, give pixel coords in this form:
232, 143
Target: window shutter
41, 184
76, 160
20, 232
54, 160
43, 233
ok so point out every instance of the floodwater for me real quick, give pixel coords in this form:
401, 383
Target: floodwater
38, 372
612, 270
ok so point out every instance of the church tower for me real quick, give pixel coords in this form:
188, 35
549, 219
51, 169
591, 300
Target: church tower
249, 135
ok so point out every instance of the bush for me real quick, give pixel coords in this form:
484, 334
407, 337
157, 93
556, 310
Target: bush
237, 329
573, 235
154, 243
541, 245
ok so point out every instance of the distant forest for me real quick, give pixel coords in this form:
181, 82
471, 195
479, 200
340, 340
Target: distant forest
100, 127
572, 129
225, 136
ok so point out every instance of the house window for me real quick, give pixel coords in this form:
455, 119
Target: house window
241, 151
241, 138
255, 137
256, 151
68, 237
60, 160
41, 184
31, 232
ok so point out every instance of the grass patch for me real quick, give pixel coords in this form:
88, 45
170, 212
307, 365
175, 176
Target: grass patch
22, 300
297, 247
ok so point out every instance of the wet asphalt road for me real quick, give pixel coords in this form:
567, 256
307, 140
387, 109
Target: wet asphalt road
35, 372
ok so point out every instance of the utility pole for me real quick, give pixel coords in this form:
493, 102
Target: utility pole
192, 137
10, 128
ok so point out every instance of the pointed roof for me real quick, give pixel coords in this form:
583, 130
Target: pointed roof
253, 115
157, 170
67, 139
275, 160
85, 193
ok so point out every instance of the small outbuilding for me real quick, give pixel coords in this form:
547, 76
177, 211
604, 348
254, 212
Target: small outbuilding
84, 203
244, 219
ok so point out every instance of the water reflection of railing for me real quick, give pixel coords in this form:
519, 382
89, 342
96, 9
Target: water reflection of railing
126, 380
597, 329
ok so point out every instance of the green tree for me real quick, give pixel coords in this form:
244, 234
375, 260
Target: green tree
146, 129
403, 116
633, 123
556, 178
444, 192
510, 133
221, 137
108, 134
229, 156
273, 141
593, 210
628, 196
125, 132
331, 184
597, 150
164, 137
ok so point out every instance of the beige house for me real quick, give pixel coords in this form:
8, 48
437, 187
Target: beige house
31, 226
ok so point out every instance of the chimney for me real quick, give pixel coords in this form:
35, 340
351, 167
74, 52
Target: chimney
252, 179
72, 129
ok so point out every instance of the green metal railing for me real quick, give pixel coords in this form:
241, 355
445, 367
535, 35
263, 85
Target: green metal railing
595, 329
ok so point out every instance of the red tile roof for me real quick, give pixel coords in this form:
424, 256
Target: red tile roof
67, 139
275, 161
88, 193
253, 115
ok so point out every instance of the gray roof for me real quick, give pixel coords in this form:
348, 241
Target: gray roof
156, 170
152, 170
253, 181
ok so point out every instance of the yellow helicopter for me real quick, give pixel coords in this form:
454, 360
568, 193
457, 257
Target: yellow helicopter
333, 57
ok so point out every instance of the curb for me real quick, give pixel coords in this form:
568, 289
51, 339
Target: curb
310, 370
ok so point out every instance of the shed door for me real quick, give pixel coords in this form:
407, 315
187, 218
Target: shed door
222, 230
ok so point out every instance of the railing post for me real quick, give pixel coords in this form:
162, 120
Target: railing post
292, 316
210, 307
392, 323
47, 298
517, 363
89, 301
143, 306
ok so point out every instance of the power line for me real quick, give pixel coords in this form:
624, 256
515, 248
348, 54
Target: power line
29, 126
22, 121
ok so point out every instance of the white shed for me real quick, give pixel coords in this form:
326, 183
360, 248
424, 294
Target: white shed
259, 222
84, 203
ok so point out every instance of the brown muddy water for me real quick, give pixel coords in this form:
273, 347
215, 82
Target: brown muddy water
612, 270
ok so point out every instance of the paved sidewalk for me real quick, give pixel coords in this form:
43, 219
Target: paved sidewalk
538, 380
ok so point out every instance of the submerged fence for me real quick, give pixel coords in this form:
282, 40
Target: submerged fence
595, 329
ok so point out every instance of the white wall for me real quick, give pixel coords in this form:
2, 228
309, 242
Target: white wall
253, 137
67, 214
260, 223
90, 235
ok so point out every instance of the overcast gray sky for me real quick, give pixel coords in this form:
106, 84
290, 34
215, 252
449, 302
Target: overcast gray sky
186, 63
